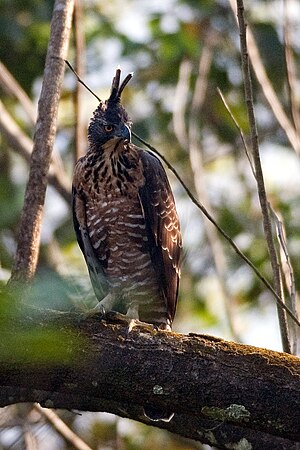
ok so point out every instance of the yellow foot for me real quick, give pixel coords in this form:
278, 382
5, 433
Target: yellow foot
116, 317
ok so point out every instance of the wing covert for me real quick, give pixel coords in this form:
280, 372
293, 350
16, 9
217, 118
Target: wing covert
163, 228
95, 268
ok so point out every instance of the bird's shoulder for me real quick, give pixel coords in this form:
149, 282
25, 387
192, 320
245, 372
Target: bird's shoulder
79, 171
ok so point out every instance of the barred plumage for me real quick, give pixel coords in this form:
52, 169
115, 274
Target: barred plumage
125, 219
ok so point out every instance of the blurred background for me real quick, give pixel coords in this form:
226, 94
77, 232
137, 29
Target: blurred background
183, 54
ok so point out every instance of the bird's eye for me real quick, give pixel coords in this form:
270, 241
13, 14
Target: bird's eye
108, 128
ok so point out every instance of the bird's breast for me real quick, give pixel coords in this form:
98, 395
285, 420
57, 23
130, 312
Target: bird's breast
114, 215
116, 172
118, 235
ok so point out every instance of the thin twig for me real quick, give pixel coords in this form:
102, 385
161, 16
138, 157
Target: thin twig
283, 244
30, 227
259, 174
248, 154
81, 81
288, 273
62, 428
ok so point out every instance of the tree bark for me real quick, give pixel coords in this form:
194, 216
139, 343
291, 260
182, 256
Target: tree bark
30, 227
224, 394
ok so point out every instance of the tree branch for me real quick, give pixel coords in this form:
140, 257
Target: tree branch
30, 226
180, 103
62, 428
221, 393
22, 144
12, 87
259, 176
285, 263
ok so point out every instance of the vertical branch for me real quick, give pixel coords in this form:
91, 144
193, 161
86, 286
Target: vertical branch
291, 70
288, 275
30, 226
259, 175
80, 132
180, 103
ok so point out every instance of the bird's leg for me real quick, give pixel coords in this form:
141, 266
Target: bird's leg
130, 319
132, 316
104, 306
133, 311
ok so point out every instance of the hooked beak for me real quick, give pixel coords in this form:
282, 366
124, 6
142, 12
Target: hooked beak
124, 132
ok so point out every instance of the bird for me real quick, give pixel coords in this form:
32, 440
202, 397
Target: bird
125, 219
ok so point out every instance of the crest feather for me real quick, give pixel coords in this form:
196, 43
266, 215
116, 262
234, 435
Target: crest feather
111, 111
116, 89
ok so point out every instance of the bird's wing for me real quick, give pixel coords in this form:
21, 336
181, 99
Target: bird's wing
94, 265
163, 228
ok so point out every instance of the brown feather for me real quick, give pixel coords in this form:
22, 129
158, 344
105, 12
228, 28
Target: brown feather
163, 228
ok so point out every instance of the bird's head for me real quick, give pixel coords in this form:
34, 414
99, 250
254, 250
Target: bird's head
110, 120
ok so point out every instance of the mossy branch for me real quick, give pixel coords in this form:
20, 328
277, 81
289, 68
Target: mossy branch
222, 393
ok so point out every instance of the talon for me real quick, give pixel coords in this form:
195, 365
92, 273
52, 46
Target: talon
97, 310
114, 316
132, 323
137, 323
